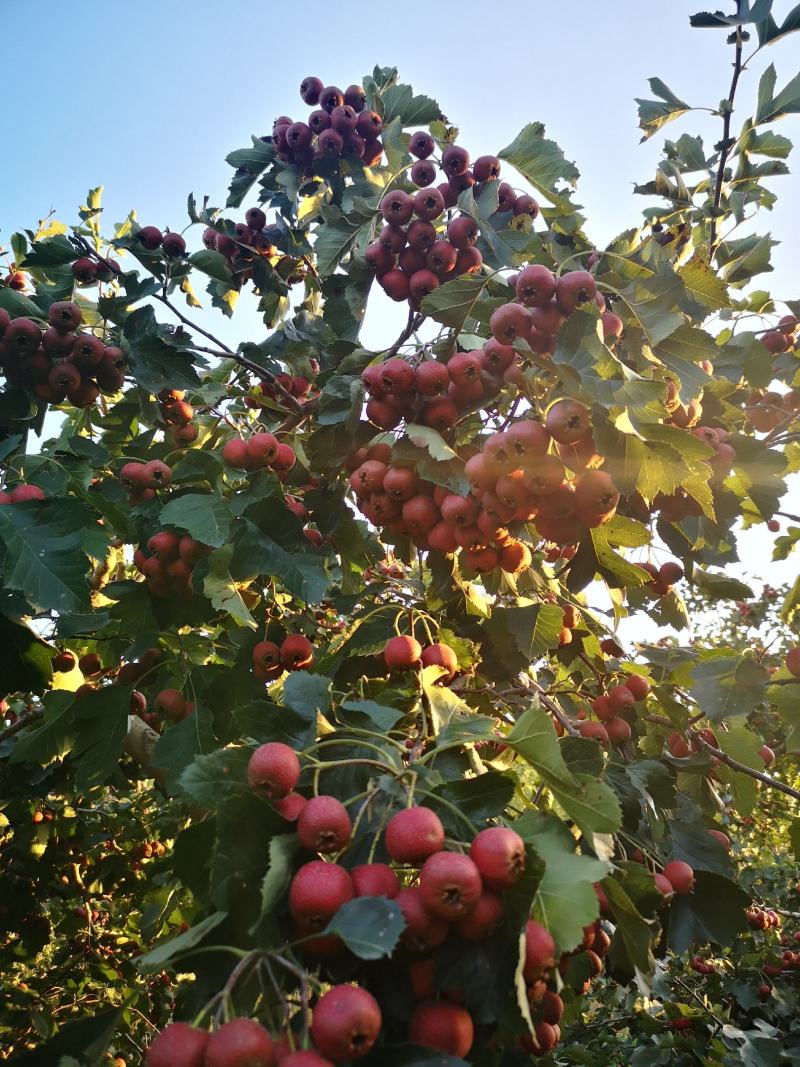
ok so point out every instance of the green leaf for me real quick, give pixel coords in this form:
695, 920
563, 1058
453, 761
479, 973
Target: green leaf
742, 745
786, 102
484, 797
720, 586
204, 516
301, 573
726, 685
282, 850
653, 114
565, 901
713, 912
542, 162
308, 694
25, 658
212, 263
399, 101
221, 589
692, 843
176, 946
86, 1038
101, 719
47, 548
682, 351
156, 361
209, 780
18, 305
631, 947
338, 236
178, 747
378, 715
530, 630
369, 926
453, 303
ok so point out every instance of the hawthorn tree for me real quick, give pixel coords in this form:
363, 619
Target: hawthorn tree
316, 748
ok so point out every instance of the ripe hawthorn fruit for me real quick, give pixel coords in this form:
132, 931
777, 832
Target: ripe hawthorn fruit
297, 653
375, 880
423, 930
450, 884
317, 891
443, 1026
178, 1045
345, 1023
680, 876
401, 653
499, 854
324, 825
413, 835
440, 655
273, 770
540, 950
484, 918
240, 1043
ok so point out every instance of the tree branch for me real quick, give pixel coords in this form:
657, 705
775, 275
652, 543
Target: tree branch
735, 765
726, 134
261, 372
21, 723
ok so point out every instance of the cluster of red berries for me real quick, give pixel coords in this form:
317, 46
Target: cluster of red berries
295, 653
432, 393
513, 478
663, 577
260, 451
445, 891
766, 410
56, 363
783, 338
340, 127
15, 279
142, 479
296, 384
20, 493
168, 562
151, 239
610, 707
177, 413
681, 746
762, 918
411, 257
404, 653
251, 239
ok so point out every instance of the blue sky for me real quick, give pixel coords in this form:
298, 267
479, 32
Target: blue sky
146, 98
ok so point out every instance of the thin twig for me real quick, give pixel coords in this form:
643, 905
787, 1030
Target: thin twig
21, 723
735, 765
726, 133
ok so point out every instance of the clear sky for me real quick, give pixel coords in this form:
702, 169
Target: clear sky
147, 97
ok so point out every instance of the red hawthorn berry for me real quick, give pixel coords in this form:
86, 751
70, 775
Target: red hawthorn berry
178, 1045
324, 825
345, 1023
443, 1026
499, 854
680, 876
540, 950
423, 931
316, 893
297, 653
401, 653
239, 1043
273, 770
450, 884
413, 835
375, 880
